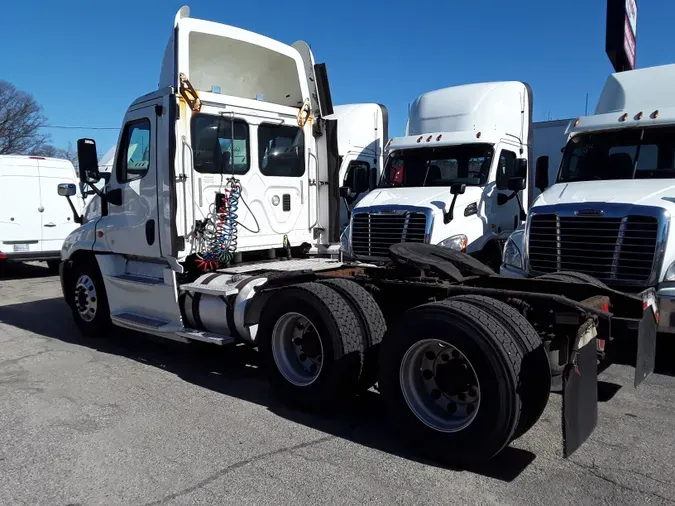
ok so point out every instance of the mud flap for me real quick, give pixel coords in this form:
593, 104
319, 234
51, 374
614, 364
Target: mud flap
580, 397
646, 346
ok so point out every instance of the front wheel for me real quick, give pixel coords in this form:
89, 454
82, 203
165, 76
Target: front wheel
88, 300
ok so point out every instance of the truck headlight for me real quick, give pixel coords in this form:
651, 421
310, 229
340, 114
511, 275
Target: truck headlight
670, 273
512, 255
456, 242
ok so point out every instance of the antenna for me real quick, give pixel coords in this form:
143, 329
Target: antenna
586, 110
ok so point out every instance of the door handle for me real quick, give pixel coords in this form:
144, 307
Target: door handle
50, 225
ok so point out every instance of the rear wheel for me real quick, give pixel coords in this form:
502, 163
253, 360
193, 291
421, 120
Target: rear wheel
449, 374
88, 300
373, 325
311, 344
535, 375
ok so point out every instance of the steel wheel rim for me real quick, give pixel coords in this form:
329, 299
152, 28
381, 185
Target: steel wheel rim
86, 299
297, 349
433, 376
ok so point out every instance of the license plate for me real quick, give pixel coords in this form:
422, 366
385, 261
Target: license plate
20, 248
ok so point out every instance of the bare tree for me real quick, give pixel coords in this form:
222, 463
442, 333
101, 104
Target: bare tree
21, 119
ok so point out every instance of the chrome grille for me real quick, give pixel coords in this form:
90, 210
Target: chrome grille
373, 234
612, 249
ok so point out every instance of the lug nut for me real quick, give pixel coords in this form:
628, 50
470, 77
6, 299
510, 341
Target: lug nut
470, 409
461, 397
312, 368
473, 392
435, 394
455, 354
452, 407
445, 357
302, 357
427, 374
297, 341
430, 355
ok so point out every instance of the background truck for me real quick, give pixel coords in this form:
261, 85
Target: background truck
33, 220
549, 138
608, 214
199, 242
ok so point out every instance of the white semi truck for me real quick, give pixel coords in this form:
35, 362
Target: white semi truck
222, 189
608, 213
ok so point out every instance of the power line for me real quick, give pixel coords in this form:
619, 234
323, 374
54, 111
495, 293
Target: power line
74, 127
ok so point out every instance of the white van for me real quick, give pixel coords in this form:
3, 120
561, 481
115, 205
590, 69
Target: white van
34, 220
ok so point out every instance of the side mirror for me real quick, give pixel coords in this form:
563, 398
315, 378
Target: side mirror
66, 189
457, 188
87, 160
361, 179
516, 184
345, 191
541, 173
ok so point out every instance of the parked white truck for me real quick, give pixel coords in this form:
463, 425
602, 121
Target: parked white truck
608, 214
456, 177
221, 189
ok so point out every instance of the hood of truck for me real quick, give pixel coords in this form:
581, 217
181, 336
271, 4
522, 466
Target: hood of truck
649, 192
435, 198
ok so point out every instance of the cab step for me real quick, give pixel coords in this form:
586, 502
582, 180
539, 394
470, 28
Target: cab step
163, 328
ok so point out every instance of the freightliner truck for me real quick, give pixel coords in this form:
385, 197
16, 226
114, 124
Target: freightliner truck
225, 195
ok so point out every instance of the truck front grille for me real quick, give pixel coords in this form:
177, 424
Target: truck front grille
612, 249
373, 234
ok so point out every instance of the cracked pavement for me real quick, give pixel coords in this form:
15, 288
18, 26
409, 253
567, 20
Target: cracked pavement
134, 420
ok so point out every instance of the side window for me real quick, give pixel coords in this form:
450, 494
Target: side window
506, 169
281, 150
349, 176
134, 159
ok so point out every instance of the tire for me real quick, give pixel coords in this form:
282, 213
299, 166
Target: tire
495, 359
373, 325
574, 277
334, 325
85, 280
535, 377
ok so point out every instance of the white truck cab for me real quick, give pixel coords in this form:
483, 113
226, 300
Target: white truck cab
34, 221
456, 178
608, 213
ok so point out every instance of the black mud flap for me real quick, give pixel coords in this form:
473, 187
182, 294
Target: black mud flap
646, 347
580, 398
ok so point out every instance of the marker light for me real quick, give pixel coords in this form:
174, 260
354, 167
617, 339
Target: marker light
576, 122
439, 137
478, 135
655, 114
420, 139
639, 116
429, 138
623, 117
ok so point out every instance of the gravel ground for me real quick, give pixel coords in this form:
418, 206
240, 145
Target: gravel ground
134, 420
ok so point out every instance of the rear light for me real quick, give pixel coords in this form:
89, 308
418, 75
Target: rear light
605, 307
601, 345
2, 256
37, 157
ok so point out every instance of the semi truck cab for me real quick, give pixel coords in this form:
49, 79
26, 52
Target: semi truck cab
608, 213
455, 179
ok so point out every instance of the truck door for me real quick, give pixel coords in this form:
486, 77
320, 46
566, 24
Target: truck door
131, 227
349, 164
505, 217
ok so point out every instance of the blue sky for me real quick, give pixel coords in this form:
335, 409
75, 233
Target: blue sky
85, 61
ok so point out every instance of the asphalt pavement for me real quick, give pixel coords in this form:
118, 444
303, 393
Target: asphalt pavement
134, 420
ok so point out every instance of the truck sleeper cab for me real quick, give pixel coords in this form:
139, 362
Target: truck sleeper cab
216, 201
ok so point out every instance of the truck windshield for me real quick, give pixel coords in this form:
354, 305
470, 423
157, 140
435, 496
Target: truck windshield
647, 153
468, 164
